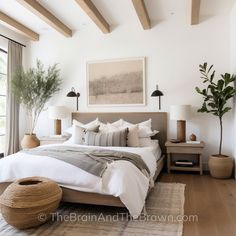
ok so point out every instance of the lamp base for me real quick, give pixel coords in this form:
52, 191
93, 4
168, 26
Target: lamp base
57, 127
181, 130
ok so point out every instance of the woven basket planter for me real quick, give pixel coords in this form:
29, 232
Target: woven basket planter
29, 202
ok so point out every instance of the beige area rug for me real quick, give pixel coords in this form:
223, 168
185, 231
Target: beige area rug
164, 208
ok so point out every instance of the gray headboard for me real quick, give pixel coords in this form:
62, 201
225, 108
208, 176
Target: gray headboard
159, 120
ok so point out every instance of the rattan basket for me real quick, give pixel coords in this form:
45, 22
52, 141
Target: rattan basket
30, 202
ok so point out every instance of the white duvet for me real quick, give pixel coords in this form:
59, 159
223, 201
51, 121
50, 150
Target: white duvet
121, 179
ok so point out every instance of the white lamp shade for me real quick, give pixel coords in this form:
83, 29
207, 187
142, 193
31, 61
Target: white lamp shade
58, 112
180, 112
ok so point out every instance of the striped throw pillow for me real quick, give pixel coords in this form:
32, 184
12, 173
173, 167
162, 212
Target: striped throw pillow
117, 138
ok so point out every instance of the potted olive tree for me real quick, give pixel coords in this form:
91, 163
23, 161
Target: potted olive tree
33, 88
216, 95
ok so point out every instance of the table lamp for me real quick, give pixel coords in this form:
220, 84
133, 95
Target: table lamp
181, 113
57, 113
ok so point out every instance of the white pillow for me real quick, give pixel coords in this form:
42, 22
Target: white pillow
148, 142
146, 132
147, 123
103, 127
75, 137
118, 123
89, 125
69, 130
78, 134
145, 128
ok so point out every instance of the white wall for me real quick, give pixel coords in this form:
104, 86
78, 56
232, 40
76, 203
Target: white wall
4, 44
173, 51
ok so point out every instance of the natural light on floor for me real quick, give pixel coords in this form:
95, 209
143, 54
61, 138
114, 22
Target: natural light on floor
3, 85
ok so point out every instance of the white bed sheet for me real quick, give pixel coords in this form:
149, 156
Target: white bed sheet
121, 179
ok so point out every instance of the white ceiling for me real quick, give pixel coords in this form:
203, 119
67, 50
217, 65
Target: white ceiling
116, 12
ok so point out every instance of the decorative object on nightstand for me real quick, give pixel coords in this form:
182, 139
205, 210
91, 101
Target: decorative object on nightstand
175, 140
216, 96
55, 139
57, 113
157, 93
183, 164
25, 200
193, 137
73, 94
181, 113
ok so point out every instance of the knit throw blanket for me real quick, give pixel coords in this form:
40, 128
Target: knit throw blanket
91, 160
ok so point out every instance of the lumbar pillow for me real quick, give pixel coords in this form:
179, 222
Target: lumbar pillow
133, 139
117, 138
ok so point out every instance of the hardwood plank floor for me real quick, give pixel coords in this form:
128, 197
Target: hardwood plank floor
212, 200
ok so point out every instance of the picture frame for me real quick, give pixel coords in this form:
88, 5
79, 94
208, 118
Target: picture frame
116, 82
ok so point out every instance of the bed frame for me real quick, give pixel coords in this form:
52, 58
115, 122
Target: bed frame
159, 122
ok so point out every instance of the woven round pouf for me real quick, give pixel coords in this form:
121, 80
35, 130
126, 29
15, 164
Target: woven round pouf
30, 201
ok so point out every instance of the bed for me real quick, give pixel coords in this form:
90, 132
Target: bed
70, 194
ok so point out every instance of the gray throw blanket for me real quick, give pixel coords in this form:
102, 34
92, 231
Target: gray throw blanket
93, 161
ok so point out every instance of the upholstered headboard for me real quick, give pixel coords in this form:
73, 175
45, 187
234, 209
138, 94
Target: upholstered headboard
159, 120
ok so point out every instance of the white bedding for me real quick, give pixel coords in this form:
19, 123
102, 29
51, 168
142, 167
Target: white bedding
121, 178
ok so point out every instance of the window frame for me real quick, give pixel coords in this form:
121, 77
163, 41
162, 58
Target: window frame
3, 95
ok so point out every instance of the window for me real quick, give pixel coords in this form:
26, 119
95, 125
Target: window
3, 91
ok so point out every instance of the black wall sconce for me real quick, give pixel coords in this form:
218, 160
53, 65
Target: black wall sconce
157, 93
72, 93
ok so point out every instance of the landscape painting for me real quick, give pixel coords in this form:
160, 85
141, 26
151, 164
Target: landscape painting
116, 82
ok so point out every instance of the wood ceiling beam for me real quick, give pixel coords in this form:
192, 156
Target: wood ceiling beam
142, 13
40, 11
91, 10
195, 12
18, 27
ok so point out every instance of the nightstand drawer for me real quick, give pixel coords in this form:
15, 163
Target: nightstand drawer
187, 150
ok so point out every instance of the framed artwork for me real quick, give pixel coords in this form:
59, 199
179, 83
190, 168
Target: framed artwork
118, 82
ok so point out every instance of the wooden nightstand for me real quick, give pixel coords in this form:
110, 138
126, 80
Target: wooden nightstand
45, 140
184, 148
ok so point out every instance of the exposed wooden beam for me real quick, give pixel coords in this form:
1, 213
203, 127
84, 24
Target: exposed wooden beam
142, 13
40, 11
17, 26
94, 14
195, 11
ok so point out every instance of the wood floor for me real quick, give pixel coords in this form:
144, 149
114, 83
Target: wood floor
213, 200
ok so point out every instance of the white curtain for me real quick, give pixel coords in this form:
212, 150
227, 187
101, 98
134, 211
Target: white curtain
12, 124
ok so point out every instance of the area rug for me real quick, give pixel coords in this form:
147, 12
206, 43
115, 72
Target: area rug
163, 217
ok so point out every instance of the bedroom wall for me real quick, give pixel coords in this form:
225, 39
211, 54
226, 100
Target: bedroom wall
173, 51
4, 43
